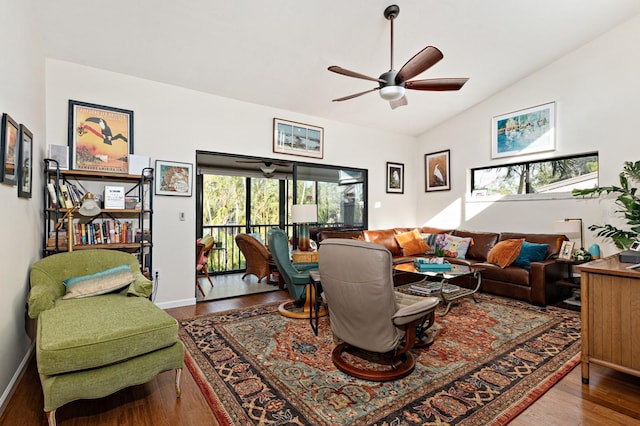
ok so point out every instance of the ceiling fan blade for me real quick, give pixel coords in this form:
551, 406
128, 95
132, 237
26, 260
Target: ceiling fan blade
348, 73
399, 102
437, 84
355, 95
422, 61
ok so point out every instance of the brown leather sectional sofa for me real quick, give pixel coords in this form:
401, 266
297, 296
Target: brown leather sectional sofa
519, 283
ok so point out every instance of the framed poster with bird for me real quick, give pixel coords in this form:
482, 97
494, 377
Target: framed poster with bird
100, 137
437, 171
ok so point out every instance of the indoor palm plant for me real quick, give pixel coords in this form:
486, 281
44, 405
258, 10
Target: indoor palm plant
628, 202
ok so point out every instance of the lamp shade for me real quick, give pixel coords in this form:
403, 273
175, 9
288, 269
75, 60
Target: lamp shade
89, 206
568, 226
304, 213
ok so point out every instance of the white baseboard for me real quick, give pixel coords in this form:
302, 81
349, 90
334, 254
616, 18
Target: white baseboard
6, 395
177, 303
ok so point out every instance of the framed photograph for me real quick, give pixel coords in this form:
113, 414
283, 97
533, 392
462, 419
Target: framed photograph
437, 171
300, 139
395, 178
9, 145
25, 160
173, 178
526, 131
565, 250
100, 137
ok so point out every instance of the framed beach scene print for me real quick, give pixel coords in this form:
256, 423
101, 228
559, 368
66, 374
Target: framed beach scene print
173, 178
437, 171
100, 137
9, 156
395, 178
300, 139
526, 131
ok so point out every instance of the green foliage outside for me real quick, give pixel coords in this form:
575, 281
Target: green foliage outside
628, 202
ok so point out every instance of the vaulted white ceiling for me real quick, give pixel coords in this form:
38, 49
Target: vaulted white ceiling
276, 52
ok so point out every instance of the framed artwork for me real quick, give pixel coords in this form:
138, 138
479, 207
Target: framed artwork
300, 139
9, 145
395, 178
100, 137
173, 178
565, 250
25, 160
526, 131
437, 171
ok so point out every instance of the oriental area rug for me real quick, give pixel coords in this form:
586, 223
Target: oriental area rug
489, 361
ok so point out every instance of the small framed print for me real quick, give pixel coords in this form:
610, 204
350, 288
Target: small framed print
25, 160
437, 171
565, 250
100, 137
395, 178
300, 139
173, 178
9, 147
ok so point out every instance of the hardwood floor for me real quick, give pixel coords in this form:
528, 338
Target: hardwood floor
612, 398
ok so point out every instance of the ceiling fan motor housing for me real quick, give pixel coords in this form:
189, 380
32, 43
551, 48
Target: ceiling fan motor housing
391, 91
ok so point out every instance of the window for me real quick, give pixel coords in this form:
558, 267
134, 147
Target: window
560, 174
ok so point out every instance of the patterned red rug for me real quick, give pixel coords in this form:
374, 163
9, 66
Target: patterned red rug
489, 361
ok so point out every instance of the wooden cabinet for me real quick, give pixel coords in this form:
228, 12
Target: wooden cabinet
298, 256
126, 229
610, 316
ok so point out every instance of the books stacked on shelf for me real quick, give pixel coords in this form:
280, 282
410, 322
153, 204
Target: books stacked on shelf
66, 196
106, 231
431, 265
433, 288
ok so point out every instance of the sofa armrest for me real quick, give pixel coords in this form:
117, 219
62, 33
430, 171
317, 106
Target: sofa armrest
542, 272
141, 286
45, 290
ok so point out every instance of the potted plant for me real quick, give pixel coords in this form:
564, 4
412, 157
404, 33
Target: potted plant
628, 202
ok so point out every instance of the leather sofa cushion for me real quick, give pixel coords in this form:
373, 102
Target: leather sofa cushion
386, 238
351, 235
510, 274
554, 240
483, 242
70, 339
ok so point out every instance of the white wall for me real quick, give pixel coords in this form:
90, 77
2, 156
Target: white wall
171, 123
22, 97
597, 93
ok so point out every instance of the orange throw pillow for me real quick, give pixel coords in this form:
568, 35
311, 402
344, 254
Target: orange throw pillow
411, 243
505, 252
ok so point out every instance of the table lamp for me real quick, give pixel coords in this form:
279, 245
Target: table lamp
87, 206
303, 214
570, 226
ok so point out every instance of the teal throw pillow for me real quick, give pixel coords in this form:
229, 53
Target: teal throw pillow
530, 252
99, 283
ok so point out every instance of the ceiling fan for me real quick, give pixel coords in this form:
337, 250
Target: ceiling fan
268, 168
392, 84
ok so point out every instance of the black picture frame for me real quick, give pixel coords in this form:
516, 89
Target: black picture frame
395, 178
25, 161
9, 147
100, 137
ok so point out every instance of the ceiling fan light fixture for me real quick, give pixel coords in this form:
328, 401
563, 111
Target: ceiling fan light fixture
392, 93
267, 170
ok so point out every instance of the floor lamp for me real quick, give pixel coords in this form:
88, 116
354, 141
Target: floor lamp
87, 206
303, 215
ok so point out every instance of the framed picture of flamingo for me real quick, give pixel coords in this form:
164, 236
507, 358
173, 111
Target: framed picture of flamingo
437, 175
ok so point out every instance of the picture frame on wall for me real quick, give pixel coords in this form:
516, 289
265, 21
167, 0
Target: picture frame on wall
395, 178
437, 171
565, 250
173, 178
526, 131
100, 137
9, 146
25, 162
292, 138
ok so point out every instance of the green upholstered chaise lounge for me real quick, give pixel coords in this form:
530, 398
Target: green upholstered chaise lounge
91, 347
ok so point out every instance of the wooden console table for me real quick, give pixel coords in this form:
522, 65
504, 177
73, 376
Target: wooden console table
298, 256
610, 322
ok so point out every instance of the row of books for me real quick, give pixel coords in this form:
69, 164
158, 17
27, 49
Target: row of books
66, 196
107, 231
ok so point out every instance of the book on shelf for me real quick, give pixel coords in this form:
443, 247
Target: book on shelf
64, 195
53, 195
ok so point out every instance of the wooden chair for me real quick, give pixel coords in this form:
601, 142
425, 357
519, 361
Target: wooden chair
256, 254
203, 249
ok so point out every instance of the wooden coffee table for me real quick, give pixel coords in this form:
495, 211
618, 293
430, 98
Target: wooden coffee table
439, 285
